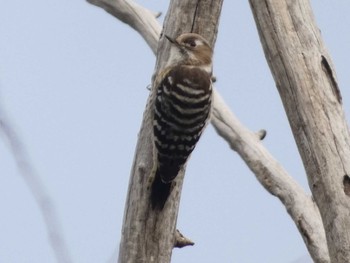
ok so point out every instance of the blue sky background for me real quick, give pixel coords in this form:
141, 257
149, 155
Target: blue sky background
73, 80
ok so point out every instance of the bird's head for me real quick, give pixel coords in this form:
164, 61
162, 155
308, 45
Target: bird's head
190, 49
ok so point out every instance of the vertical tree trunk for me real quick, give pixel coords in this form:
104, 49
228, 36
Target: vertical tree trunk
149, 235
307, 84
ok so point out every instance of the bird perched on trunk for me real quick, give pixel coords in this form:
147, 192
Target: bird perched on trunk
181, 109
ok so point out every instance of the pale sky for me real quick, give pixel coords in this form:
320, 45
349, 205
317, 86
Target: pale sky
73, 80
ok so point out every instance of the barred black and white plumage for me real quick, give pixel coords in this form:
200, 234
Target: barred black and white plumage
181, 110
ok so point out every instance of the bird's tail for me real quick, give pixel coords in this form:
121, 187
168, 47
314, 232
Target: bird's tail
160, 192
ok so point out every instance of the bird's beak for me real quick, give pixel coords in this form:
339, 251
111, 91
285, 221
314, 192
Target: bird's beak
171, 40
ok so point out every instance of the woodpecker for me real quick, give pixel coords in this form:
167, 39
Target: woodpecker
181, 109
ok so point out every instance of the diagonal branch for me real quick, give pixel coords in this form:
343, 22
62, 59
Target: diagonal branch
274, 178
267, 170
37, 189
134, 15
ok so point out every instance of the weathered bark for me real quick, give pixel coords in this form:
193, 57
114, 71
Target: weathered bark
149, 235
307, 84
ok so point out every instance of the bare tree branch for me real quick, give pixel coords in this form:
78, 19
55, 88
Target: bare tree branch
306, 81
268, 171
274, 178
136, 16
37, 189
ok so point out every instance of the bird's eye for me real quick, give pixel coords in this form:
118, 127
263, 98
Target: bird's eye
192, 43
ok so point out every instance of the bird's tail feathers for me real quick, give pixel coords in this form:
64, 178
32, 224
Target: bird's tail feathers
160, 192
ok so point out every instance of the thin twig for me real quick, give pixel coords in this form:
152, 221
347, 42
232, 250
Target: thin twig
36, 187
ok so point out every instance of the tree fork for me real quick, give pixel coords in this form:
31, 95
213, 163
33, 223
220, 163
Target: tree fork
300, 206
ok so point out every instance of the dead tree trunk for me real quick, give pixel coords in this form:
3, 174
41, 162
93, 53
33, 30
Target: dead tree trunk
307, 84
149, 235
